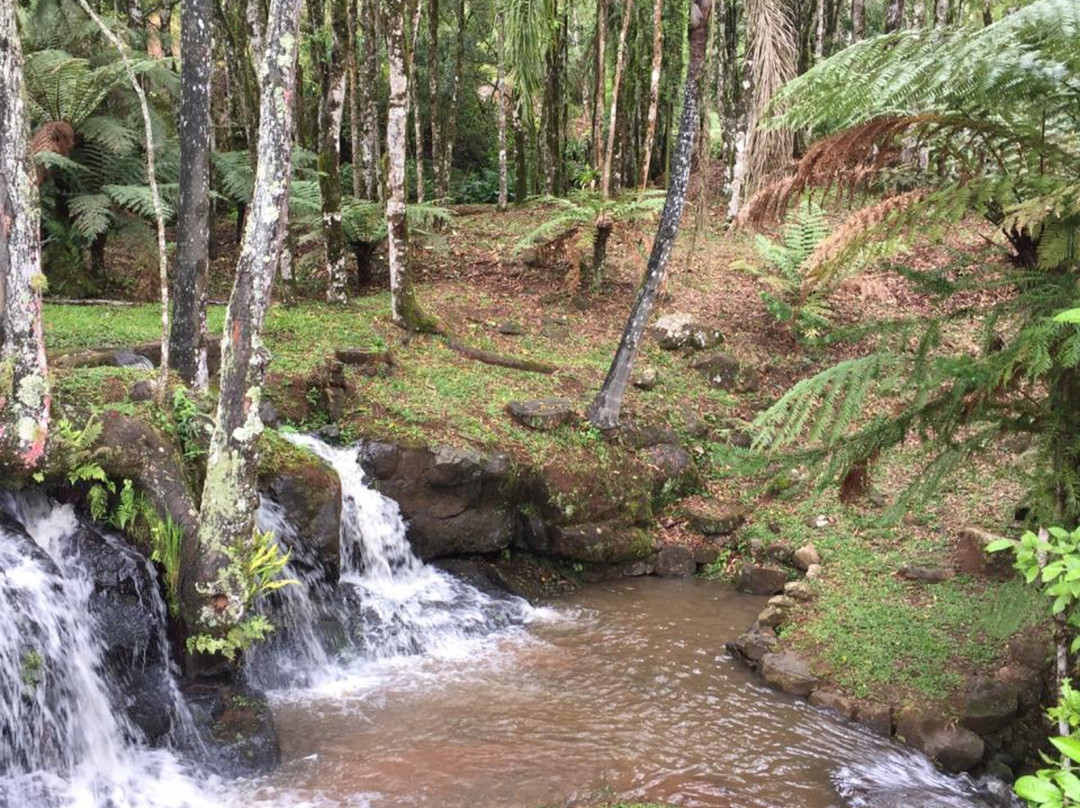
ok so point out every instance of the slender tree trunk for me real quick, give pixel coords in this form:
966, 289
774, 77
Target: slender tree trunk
605, 408
433, 98
500, 80
941, 13
328, 60
353, 72
371, 137
521, 163
654, 90
151, 177
455, 87
414, 102
600, 88
894, 15
819, 34
405, 309
188, 336
858, 20
620, 66
214, 598
24, 381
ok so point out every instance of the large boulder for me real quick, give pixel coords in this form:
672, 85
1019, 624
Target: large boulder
455, 501
683, 330
972, 558
597, 543
755, 579
955, 748
788, 672
542, 414
721, 369
675, 561
311, 496
713, 518
990, 705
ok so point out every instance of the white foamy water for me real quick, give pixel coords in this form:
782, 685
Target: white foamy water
387, 605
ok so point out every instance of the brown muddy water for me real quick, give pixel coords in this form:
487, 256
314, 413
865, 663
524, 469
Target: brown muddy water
625, 692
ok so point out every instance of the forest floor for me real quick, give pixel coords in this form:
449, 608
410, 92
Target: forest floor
869, 631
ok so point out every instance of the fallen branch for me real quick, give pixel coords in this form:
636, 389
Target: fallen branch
492, 358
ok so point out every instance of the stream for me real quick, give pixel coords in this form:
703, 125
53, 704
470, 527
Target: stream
398, 685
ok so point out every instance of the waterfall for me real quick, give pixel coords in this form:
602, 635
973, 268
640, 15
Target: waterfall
387, 603
65, 740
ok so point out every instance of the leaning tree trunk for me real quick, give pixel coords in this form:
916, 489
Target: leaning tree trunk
24, 383
605, 408
188, 335
654, 90
328, 59
500, 82
151, 178
214, 599
405, 310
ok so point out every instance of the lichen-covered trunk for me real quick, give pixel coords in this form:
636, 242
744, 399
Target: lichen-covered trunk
405, 310
24, 383
604, 410
414, 104
620, 67
455, 85
352, 70
654, 90
433, 98
521, 163
858, 19
328, 60
214, 599
894, 15
370, 137
500, 88
941, 13
188, 334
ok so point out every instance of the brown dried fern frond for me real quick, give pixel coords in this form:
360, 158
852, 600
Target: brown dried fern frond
54, 136
889, 212
850, 160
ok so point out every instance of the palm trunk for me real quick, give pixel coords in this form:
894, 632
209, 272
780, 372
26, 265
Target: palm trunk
24, 381
188, 336
151, 177
500, 44
328, 60
620, 66
214, 599
654, 90
600, 88
405, 310
605, 408
451, 122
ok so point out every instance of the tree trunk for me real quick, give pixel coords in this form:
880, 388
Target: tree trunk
894, 15
858, 20
24, 381
605, 408
620, 66
214, 599
433, 98
500, 80
151, 178
405, 309
521, 163
328, 60
941, 13
188, 336
455, 86
353, 72
414, 103
654, 91
819, 34
600, 88
369, 113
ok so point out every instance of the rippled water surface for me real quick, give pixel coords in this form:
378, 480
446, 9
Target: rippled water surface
628, 693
